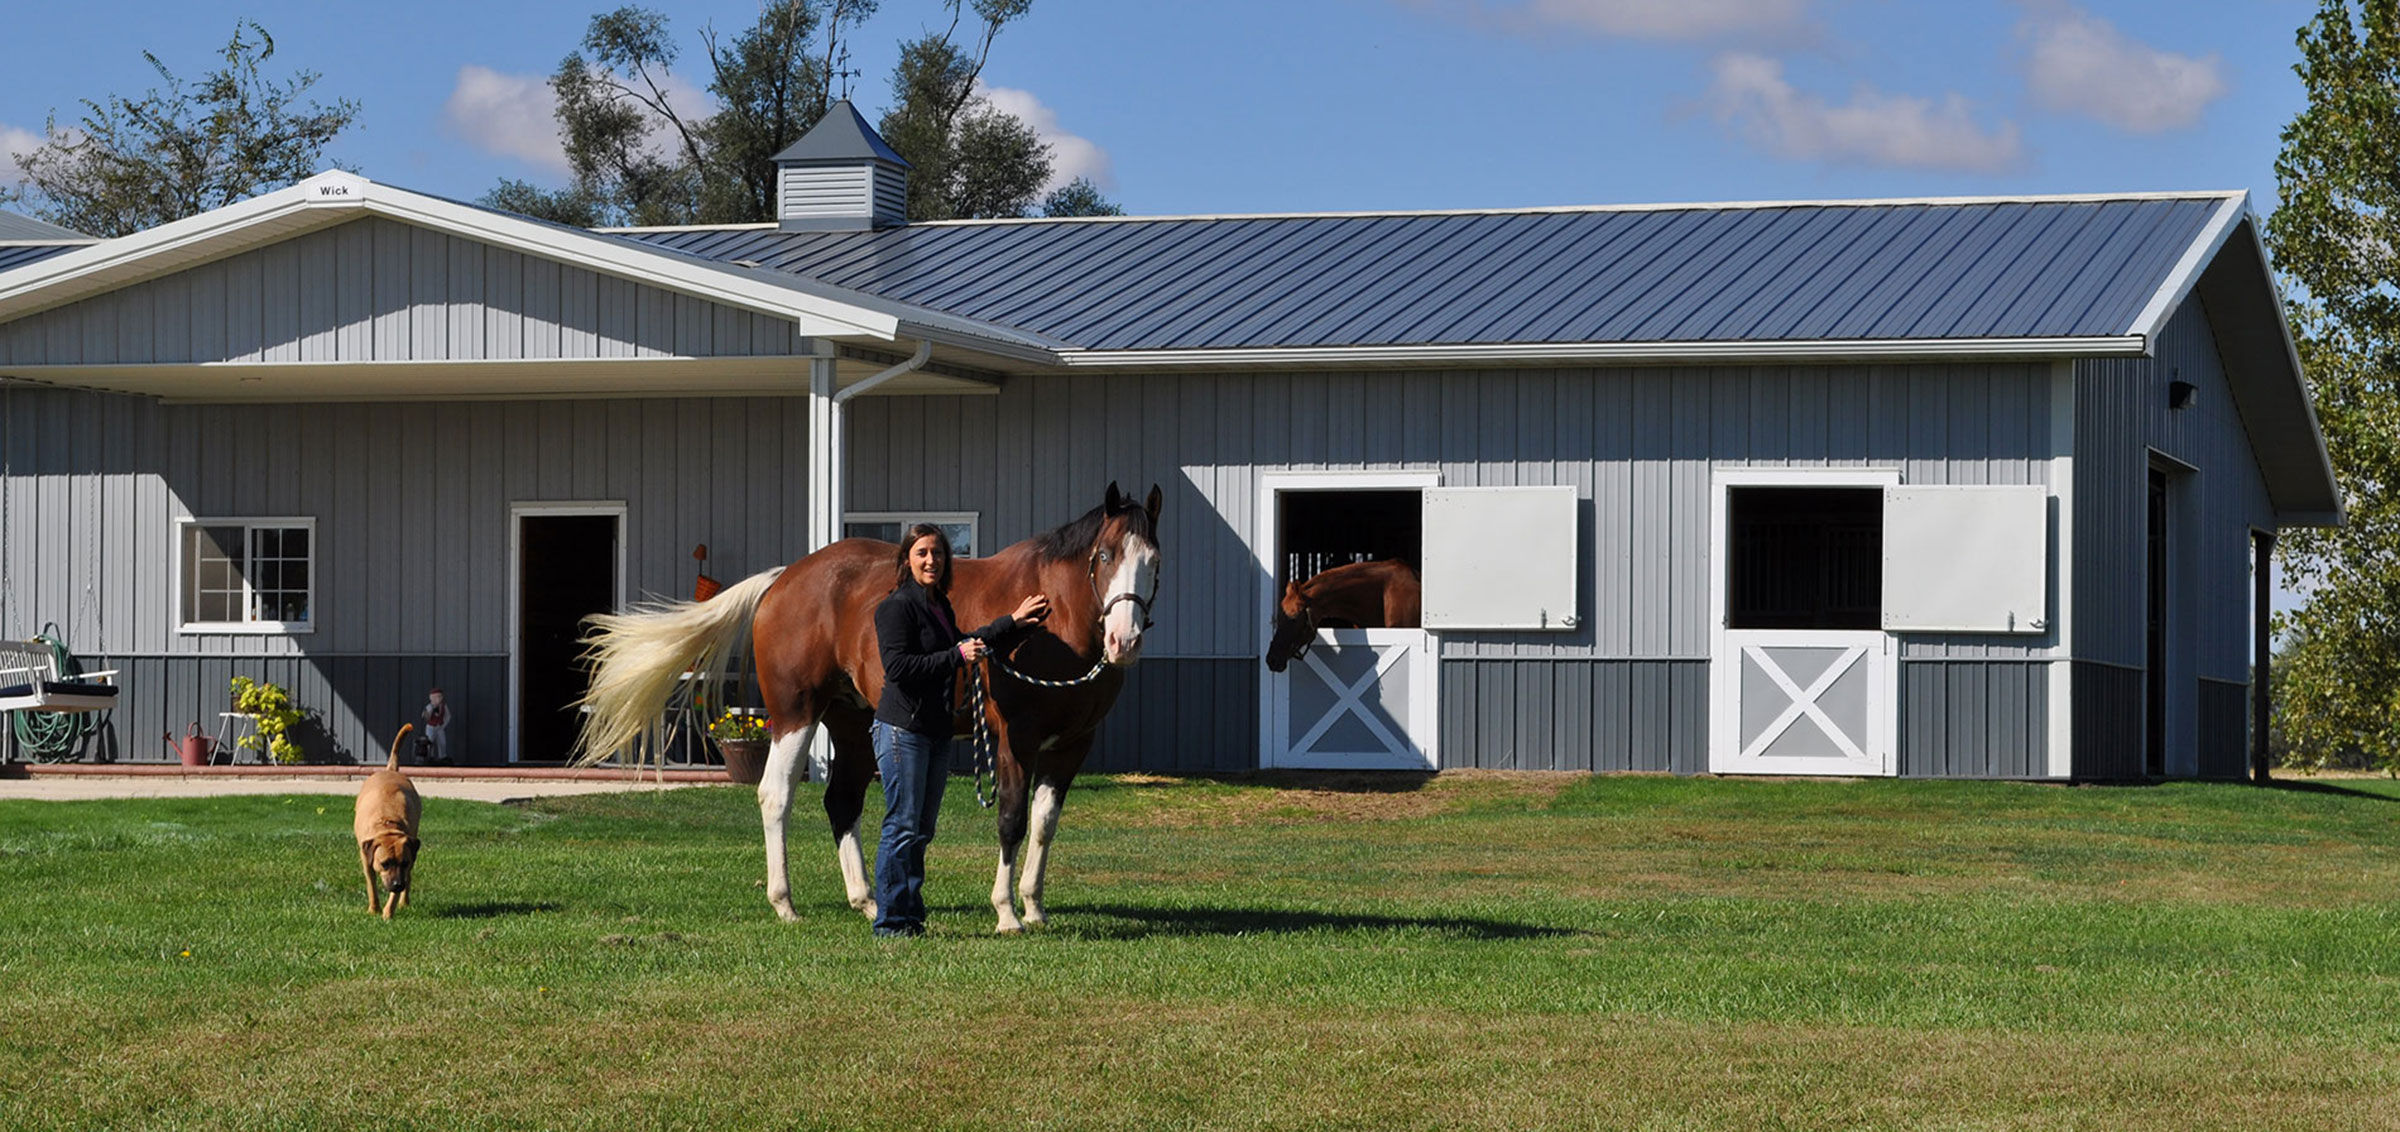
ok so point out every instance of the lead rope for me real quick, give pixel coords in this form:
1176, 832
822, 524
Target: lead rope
987, 746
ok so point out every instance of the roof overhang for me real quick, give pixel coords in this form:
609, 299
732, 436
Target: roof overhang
1614, 353
527, 380
335, 197
2262, 366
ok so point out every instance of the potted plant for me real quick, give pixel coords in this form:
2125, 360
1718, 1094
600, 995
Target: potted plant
742, 740
269, 706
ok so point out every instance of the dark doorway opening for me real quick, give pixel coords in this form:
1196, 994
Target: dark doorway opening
566, 569
1316, 531
2154, 663
1804, 558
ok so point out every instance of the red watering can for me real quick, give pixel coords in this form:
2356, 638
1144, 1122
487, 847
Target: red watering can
195, 747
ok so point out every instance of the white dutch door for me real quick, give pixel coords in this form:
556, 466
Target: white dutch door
1816, 569
1488, 558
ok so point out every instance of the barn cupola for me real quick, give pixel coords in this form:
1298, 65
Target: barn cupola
840, 176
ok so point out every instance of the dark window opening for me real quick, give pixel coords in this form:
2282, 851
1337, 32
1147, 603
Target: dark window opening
1804, 558
1319, 530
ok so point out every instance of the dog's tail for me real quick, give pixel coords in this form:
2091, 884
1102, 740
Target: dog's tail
393, 763
638, 659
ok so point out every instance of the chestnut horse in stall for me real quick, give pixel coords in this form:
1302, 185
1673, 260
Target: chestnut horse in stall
812, 628
1361, 595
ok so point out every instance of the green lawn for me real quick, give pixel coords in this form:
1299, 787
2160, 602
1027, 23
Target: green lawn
1480, 950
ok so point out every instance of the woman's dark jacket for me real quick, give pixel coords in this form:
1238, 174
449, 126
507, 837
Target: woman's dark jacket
918, 636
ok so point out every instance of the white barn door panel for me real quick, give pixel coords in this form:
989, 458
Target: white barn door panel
1500, 558
1361, 699
1966, 559
1791, 702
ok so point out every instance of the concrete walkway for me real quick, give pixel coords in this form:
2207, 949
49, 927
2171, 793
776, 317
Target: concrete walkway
89, 782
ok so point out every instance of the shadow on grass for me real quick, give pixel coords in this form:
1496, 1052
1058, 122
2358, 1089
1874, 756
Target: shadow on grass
1124, 921
494, 911
2306, 787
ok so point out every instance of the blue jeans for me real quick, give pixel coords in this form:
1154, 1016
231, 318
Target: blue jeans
914, 773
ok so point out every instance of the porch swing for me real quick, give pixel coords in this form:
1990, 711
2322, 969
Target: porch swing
43, 690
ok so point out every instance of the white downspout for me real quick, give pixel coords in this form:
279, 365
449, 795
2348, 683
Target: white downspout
829, 434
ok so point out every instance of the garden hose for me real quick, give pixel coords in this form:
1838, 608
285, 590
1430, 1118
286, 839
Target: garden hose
50, 736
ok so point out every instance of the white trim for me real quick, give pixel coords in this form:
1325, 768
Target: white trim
2152, 321
1529, 210
1263, 552
1725, 672
2062, 644
248, 523
517, 512
1619, 353
972, 519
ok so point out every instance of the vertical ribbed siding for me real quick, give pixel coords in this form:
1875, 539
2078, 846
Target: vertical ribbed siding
1975, 719
1575, 715
379, 290
410, 501
2108, 722
2121, 416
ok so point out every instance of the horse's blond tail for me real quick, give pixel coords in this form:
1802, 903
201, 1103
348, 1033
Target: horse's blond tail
639, 657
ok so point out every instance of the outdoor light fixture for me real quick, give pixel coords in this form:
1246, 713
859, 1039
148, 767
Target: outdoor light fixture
2179, 394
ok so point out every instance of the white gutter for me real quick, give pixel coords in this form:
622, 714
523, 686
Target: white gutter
1624, 353
924, 353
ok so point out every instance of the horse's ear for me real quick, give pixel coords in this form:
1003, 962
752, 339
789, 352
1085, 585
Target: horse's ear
1157, 498
1115, 498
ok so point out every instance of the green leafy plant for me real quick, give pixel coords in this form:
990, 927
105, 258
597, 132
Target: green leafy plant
271, 706
733, 727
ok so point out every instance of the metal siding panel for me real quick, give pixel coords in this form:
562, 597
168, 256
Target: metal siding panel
393, 299
354, 292
503, 304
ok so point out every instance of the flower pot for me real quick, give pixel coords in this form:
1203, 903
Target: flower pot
745, 760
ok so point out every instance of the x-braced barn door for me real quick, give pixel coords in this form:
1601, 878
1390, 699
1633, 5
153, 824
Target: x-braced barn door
1359, 700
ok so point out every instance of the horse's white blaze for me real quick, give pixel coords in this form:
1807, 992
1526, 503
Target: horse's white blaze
784, 763
1043, 826
1135, 573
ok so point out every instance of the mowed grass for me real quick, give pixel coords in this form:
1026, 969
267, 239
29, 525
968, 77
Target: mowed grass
1470, 950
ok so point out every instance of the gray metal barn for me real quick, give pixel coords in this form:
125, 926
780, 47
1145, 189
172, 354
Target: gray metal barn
1937, 488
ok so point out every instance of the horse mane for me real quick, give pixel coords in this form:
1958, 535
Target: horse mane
1074, 539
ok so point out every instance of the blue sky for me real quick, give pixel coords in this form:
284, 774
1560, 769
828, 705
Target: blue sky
1309, 105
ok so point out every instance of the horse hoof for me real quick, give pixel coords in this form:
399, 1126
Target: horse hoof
1036, 920
1009, 929
787, 915
870, 910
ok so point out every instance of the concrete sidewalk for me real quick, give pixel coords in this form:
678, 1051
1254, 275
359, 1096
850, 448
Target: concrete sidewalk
94, 783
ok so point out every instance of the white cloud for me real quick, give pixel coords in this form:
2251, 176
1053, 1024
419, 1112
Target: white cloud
1631, 19
1874, 128
516, 115
2082, 64
15, 140
507, 115
1071, 155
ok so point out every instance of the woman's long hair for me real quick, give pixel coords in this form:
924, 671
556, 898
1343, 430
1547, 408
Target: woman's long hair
908, 541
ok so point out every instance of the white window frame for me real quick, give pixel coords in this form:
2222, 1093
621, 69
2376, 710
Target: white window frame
249, 523
972, 519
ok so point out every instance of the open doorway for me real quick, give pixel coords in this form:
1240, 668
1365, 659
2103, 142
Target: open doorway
569, 563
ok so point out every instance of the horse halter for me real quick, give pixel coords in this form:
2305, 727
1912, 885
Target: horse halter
1092, 572
1308, 613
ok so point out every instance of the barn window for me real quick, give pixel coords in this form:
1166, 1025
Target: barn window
1319, 530
961, 526
246, 575
1804, 558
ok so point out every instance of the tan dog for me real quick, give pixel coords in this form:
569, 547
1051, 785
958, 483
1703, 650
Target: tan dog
386, 828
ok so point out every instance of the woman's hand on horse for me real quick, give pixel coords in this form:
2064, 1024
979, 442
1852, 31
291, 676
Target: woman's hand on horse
972, 649
1033, 610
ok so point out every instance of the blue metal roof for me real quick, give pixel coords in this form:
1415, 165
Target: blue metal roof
1773, 273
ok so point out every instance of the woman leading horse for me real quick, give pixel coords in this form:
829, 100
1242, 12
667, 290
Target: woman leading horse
812, 627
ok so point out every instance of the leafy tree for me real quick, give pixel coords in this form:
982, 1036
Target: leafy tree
136, 163
1078, 197
640, 158
2336, 238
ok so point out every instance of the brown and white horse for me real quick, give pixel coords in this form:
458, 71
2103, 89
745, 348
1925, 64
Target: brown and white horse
1361, 595
812, 627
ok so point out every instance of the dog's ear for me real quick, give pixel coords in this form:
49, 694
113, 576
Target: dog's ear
367, 849
409, 852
